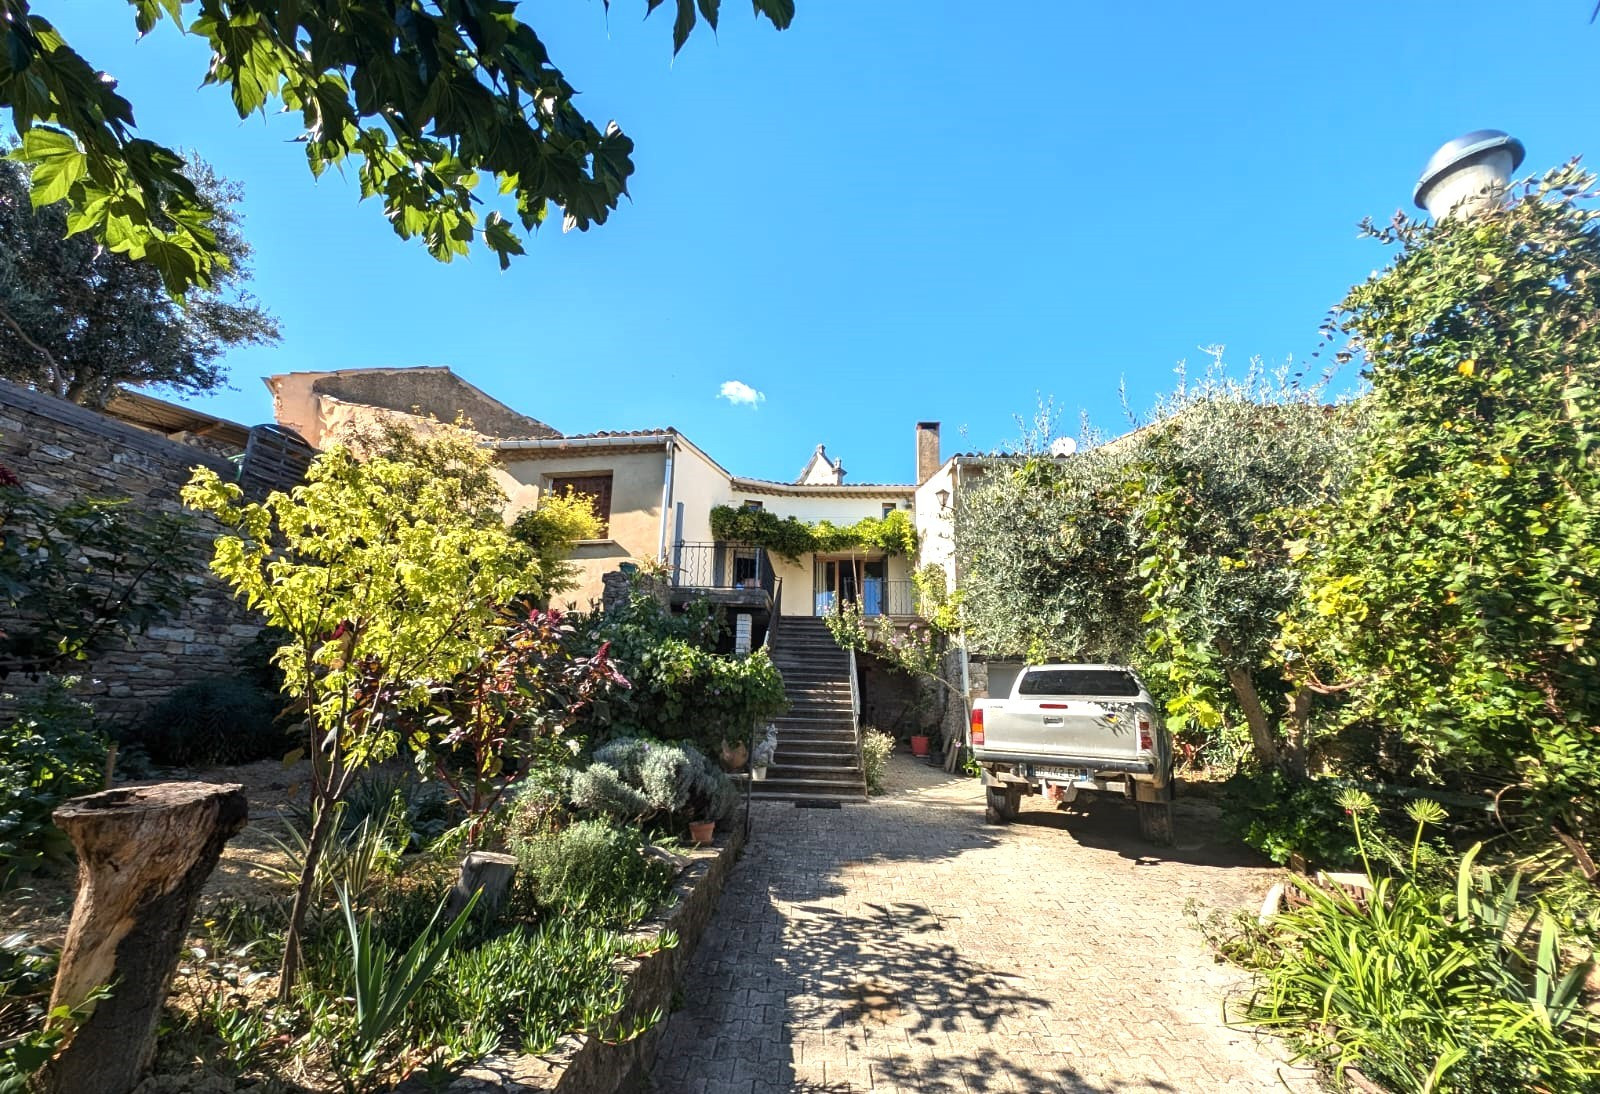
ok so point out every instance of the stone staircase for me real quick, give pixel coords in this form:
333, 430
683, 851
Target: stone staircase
817, 758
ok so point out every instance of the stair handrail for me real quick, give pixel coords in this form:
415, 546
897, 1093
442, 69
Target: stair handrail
855, 714
774, 615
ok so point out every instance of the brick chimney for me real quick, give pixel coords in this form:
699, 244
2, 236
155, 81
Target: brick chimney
928, 459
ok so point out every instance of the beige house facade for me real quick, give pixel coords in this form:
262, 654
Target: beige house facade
653, 489
656, 491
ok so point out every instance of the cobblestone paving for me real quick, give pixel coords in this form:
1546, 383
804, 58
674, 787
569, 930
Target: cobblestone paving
903, 944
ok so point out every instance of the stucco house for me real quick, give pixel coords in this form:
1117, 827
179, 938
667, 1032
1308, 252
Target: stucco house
653, 489
656, 490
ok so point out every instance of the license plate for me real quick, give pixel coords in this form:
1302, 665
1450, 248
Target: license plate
1071, 774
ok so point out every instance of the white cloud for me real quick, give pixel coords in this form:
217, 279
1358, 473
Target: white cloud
740, 393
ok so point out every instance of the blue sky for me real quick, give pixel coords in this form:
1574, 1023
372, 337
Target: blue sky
895, 210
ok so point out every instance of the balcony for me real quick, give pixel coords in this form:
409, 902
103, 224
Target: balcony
896, 599
730, 574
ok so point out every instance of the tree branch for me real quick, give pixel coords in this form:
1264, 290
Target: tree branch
57, 375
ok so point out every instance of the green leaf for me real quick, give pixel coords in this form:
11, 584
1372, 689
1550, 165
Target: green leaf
683, 24
780, 12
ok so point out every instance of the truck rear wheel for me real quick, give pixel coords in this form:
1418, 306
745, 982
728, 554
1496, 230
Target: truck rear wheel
1155, 822
1001, 804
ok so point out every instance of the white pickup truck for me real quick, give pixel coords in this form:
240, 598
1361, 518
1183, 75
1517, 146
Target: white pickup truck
1066, 729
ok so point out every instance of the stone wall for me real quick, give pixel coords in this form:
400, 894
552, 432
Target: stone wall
618, 586
61, 452
895, 702
953, 721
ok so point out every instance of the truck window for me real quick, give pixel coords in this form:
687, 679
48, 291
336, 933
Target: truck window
1100, 682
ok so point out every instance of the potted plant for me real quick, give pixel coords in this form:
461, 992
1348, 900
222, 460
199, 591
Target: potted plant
702, 832
762, 755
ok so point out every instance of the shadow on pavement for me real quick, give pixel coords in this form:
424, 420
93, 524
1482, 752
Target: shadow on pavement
1113, 825
793, 991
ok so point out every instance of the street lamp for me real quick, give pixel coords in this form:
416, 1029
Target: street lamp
1468, 175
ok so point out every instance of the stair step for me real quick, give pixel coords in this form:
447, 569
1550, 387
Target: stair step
855, 787
828, 767
843, 768
814, 756
798, 796
788, 751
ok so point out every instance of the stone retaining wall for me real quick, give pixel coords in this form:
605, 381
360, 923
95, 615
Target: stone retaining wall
63, 452
587, 1065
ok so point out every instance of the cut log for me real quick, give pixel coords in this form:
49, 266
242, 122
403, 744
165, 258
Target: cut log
144, 854
486, 871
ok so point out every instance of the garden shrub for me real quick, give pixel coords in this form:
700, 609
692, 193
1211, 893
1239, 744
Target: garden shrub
49, 752
680, 689
27, 973
532, 808
595, 871
413, 814
599, 788
1426, 986
527, 988
1280, 815
213, 720
876, 747
639, 779
1452, 586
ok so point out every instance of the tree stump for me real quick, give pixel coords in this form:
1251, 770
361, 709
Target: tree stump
144, 854
486, 871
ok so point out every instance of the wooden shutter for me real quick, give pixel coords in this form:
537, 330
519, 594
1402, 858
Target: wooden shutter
595, 487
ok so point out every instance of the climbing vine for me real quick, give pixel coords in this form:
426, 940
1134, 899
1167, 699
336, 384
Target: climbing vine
791, 537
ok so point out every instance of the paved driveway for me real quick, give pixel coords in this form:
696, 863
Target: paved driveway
903, 944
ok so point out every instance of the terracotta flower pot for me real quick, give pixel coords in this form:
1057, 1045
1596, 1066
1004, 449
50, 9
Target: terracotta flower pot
734, 755
702, 832
919, 745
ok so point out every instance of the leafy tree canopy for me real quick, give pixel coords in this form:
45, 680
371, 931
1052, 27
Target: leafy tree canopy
1455, 583
387, 584
431, 99
551, 530
79, 321
1164, 548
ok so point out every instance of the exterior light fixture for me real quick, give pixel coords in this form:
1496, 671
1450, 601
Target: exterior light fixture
1468, 175
944, 499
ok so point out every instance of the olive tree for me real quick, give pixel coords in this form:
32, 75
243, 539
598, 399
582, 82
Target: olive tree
1166, 548
386, 585
1228, 468
1452, 587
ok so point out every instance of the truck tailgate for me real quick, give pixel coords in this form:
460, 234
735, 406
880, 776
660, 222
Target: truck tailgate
1064, 728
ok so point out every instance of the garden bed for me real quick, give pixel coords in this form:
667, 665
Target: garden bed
588, 1064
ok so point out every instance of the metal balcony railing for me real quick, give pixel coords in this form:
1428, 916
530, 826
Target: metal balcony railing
900, 598
721, 566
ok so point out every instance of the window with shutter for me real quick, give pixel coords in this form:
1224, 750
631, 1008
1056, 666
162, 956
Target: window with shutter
597, 488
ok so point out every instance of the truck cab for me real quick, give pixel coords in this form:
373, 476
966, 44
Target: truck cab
1067, 729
